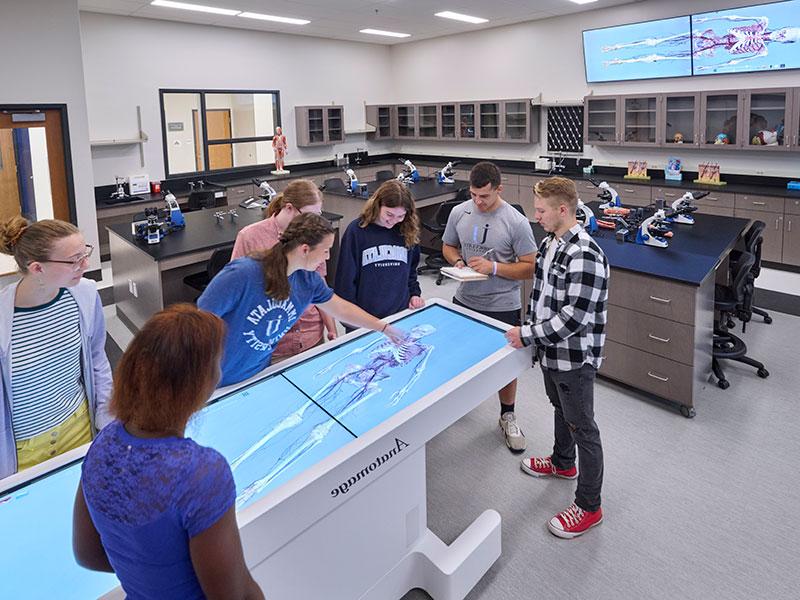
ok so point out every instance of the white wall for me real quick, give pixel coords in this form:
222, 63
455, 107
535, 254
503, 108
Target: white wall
126, 61
546, 57
41, 48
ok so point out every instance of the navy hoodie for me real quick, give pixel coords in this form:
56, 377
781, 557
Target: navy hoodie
376, 271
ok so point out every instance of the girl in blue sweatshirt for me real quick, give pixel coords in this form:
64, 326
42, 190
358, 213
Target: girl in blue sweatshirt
377, 267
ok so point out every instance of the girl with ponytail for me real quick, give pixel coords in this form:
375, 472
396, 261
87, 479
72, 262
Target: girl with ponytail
300, 196
55, 379
261, 296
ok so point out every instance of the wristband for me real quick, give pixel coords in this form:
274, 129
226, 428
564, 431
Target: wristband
494, 267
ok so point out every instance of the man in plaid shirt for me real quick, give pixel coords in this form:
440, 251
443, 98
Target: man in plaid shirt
566, 334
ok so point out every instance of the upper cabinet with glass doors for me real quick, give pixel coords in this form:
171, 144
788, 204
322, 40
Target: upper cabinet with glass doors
763, 120
505, 121
319, 125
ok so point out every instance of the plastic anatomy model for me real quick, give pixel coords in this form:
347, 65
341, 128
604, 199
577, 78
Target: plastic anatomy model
382, 355
409, 174
445, 175
280, 149
745, 42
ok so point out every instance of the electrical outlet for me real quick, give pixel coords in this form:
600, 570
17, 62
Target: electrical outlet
132, 288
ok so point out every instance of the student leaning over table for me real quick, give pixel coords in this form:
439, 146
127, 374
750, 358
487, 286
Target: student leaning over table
300, 196
56, 379
260, 297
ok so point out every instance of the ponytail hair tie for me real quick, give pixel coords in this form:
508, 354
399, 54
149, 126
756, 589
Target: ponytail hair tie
283, 240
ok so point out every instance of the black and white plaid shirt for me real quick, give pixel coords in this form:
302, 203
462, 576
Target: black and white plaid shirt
571, 329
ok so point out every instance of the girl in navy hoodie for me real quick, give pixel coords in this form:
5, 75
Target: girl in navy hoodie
379, 254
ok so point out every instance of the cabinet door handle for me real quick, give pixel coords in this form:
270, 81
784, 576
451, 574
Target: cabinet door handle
711, 198
627, 191
658, 339
789, 225
778, 220
654, 376
661, 300
759, 203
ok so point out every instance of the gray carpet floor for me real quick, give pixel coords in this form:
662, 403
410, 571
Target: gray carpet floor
694, 508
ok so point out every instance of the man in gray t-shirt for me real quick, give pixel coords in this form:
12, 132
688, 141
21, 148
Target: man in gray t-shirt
492, 237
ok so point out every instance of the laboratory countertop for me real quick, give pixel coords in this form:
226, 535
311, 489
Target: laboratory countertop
203, 231
422, 190
693, 251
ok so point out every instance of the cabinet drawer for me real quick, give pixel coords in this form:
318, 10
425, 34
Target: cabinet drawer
509, 179
704, 209
238, 192
792, 206
668, 194
652, 295
637, 195
762, 203
719, 199
648, 372
652, 334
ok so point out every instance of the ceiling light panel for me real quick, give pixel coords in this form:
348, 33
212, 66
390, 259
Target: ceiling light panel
195, 7
447, 14
386, 33
276, 19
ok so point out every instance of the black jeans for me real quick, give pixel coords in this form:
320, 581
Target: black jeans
572, 395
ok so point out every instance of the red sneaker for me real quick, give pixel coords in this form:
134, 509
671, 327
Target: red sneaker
543, 467
574, 521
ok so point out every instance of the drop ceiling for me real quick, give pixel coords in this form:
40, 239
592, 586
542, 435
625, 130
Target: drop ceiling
342, 19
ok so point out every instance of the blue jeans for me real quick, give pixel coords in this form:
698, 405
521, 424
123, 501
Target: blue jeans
572, 395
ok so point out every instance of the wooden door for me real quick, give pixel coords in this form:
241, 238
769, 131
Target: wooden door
9, 190
60, 188
218, 127
198, 141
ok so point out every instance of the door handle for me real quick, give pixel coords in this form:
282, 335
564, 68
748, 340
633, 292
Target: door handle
789, 225
661, 300
759, 203
778, 220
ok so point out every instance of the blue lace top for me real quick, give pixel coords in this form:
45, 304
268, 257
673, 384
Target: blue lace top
147, 497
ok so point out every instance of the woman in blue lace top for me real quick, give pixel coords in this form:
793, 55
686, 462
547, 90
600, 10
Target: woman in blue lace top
153, 506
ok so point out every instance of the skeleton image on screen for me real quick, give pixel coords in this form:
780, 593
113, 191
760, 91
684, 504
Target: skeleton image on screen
727, 41
383, 356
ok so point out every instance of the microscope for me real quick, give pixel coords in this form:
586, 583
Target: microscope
263, 199
683, 207
607, 194
445, 175
352, 184
410, 174
653, 231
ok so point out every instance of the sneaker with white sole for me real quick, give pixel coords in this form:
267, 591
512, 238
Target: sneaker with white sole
515, 439
544, 467
574, 521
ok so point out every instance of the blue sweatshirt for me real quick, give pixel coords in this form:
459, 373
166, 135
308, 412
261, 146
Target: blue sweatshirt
255, 321
376, 271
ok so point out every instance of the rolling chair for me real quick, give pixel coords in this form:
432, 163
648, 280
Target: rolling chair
201, 199
734, 300
218, 259
435, 260
334, 184
753, 240
384, 175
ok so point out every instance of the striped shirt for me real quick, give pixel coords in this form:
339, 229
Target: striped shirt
45, 365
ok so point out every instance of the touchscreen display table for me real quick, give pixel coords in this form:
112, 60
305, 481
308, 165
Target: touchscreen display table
327, 452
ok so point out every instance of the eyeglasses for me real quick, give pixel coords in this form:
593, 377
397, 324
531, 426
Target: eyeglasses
311, 208
76, 262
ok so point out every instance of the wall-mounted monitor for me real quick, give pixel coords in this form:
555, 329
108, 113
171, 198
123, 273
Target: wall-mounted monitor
765, 37
648, 50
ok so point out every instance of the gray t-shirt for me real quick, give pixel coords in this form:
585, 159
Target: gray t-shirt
508, 234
